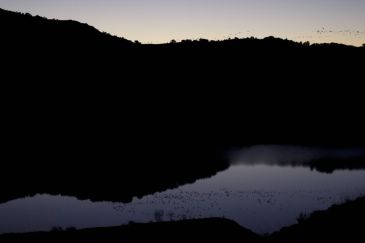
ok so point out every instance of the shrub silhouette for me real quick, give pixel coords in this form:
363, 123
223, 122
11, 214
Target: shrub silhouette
159, 215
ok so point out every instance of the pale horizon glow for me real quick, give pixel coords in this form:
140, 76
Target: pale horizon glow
159, 21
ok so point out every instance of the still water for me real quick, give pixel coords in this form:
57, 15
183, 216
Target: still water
264, 189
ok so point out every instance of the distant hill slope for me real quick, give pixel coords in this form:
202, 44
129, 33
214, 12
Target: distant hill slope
29, 31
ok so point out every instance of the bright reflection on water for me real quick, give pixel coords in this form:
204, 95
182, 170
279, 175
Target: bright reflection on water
262, 196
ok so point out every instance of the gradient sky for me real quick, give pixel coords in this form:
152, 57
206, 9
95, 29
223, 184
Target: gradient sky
156, 21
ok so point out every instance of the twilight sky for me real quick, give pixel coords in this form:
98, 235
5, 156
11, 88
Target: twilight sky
155, 21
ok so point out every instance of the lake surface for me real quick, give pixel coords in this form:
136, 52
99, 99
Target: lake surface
264, 189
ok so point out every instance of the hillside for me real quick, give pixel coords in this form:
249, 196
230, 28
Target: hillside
77, 94
26, 31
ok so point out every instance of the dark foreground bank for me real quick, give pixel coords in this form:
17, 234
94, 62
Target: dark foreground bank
340, 222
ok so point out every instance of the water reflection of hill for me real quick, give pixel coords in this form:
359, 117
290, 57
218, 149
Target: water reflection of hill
104, 175
102, 179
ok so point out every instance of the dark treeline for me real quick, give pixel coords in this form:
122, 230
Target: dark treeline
84, 110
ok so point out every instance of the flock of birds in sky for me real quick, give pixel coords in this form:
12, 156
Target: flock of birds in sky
315, 34
355, 33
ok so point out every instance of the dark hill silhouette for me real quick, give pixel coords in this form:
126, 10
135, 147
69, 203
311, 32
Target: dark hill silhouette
28, 31
83, 108
268, 91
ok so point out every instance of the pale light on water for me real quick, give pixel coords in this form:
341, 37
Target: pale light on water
263, 197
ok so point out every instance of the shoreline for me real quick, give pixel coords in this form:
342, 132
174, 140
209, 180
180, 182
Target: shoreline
342, 221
